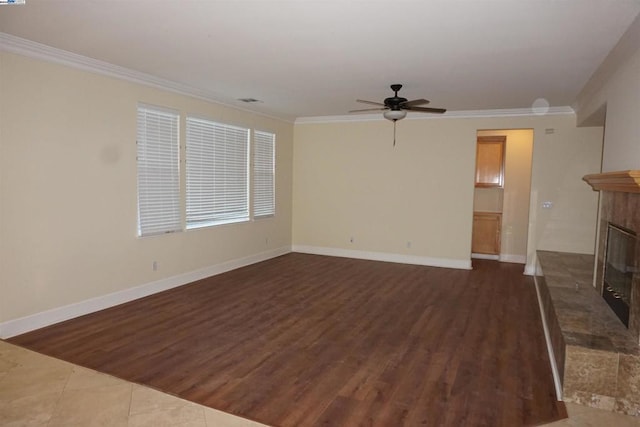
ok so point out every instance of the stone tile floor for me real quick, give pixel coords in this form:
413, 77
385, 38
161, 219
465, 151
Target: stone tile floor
37, 390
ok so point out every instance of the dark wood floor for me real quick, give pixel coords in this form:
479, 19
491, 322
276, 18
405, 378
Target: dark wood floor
304, 340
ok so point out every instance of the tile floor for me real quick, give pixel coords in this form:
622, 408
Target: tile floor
37, 390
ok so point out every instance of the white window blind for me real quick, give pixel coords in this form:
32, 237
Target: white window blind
217, 159
263, 174
158, 160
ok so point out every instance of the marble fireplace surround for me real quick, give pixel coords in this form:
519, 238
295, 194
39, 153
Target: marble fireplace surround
619, 205
596, 356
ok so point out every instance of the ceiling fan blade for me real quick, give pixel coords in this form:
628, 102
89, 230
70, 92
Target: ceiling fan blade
369, 102
426, 109
367, 109
414, 102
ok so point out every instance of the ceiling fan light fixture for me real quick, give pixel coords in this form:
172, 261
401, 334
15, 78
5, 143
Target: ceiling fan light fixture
394, 114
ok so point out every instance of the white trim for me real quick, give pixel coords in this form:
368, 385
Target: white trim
547, 336
485, 256
529, 270
461, 114
31, 49
516, 259
384, 256
45, 318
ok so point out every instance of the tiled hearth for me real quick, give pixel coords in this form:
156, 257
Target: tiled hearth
598, 358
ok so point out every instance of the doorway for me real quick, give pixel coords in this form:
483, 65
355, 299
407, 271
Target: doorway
501, 194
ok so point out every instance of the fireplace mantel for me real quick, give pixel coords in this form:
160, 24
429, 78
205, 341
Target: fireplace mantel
622, 181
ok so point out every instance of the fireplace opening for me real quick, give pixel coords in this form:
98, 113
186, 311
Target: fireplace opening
618, 270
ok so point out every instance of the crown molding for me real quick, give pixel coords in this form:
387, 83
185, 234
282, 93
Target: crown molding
12, 44
460, 114
31, 49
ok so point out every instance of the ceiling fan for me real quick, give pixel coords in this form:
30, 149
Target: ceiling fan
395, 108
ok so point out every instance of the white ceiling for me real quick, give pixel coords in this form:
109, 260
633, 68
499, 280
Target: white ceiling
305, 58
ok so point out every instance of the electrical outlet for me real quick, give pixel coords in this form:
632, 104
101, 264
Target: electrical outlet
154, 265
409, 245
547, 205
351, 239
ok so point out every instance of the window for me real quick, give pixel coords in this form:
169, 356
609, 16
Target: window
217, 171
263, 174
158, 154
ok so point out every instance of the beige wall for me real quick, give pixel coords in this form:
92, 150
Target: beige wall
517, 187
350, 181
488, 199
68, 190
560, 160
615, 89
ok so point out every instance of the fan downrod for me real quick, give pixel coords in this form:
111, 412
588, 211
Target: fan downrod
395, 102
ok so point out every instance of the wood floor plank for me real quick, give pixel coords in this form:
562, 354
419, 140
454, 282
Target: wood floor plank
305, 340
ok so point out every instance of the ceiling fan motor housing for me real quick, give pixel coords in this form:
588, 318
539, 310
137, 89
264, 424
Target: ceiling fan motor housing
395, 101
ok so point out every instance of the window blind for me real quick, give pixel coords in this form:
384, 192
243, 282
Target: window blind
263, 174
158, 161
217, 172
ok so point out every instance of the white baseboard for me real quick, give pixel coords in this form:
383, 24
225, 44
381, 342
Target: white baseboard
547, 336
485, 256
49, 317
516, 259
383, 256
529, 270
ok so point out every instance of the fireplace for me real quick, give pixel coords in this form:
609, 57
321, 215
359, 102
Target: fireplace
607, 369
619, 211
619, 262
